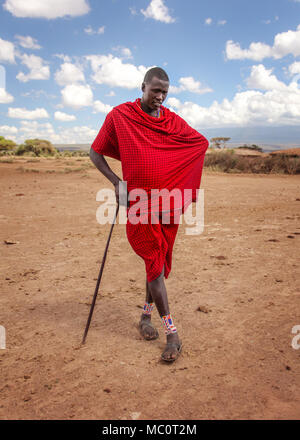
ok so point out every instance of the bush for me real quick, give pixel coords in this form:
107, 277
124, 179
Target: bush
39, 147
224, 160
252, 147
76, 153
6, 144
7, 152
228, 162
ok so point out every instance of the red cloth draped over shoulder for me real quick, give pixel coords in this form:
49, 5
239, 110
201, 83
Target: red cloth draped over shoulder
155, 153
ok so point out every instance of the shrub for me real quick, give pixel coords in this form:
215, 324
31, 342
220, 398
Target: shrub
251, 147
39, 147
6, 144
228, 162
76, 153
225, 160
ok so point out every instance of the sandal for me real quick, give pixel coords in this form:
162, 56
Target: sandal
177, 346
142, 325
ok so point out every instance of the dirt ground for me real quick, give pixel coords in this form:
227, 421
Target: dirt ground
242, 272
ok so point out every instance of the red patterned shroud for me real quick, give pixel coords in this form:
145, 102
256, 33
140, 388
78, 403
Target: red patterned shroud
155, 153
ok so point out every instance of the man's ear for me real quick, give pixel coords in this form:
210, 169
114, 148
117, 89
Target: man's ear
143, 87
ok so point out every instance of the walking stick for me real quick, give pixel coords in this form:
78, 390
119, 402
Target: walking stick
99, 279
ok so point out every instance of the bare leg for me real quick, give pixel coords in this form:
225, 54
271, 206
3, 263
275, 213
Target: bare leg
158, 292
147, 330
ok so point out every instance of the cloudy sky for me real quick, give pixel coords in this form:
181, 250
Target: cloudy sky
234, 65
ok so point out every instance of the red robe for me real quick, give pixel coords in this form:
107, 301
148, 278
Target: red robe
155, 153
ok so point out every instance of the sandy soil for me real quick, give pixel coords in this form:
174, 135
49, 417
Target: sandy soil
242, 272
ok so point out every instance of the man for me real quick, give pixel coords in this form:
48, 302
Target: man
158, 150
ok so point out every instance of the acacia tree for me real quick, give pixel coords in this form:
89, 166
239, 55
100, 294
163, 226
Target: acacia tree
39, 147
217, 141
6, 144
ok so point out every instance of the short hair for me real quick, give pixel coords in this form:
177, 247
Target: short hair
158, 72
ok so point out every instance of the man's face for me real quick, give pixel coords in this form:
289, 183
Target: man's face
155, 92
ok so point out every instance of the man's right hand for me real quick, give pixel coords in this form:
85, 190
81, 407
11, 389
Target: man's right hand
121, 197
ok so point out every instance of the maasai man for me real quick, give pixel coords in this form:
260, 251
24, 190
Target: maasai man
158, 150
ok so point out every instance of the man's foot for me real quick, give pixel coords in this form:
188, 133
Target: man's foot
173, 348
147, 329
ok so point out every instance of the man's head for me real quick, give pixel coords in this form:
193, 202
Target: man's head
155, 88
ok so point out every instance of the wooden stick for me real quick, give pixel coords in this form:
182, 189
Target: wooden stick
99, 279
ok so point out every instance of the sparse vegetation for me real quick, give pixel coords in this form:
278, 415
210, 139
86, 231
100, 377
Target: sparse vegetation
6, 144
8, 160
251, 147
224, 160
76, 153
228, 161
36, 147
218, 141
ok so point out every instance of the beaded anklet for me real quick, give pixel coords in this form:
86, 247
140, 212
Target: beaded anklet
169, 325
148, 307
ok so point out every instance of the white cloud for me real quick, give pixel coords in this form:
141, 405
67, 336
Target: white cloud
77, 96
62, 135
133, 10
5, 98
189, 84
262, 79
6, 130
174, 102
294, 68
112, 71
279, 105
47, 9
208, 21
65, 58
60, 116
99, 107
158, 11
7, 51
37, 69
27, 42
125, 52
222, 22
90, 31
68, 74
34, 129
37, 94
284, 44
111, 93
256, 51
23, 113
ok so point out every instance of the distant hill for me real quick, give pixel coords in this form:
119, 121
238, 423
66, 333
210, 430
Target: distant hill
72, 147
295, 152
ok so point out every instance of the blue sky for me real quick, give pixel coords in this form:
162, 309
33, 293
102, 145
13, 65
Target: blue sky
234, 65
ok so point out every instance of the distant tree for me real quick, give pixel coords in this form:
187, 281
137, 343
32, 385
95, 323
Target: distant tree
217, 141
6, 144
40, 147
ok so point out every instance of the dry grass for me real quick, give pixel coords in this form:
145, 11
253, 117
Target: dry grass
294, 152
228, 161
